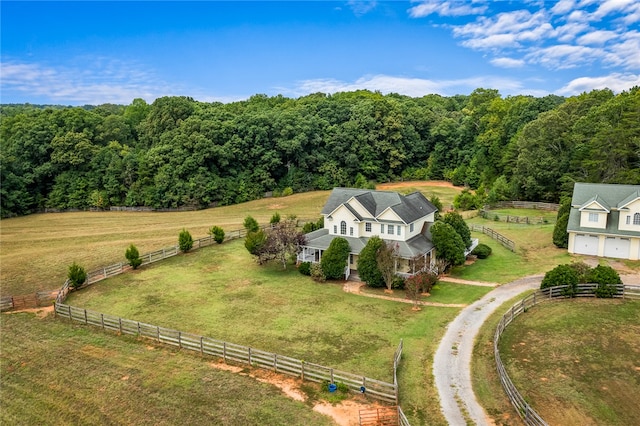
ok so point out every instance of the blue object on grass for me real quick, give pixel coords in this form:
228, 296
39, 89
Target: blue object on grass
332, 387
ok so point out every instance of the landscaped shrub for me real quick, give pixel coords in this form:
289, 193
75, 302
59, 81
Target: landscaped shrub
250, 224
287, 191
334, 259
77, 275
305, 268
133, 256
457, 222
254, 241
217, 233
316, 273
368, 265
275, 218
562, 275
482, 251
398, 282
449, 246
185, 241
606, 277
560, 235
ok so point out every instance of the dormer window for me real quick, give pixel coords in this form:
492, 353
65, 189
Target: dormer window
593, 217
636, 219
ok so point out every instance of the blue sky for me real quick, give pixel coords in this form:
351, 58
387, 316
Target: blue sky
76, 53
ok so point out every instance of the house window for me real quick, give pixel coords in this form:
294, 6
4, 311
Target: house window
351, 231
343, 228
390, 229
367, 227
593, 217
636, 219
411, 228
628, 220
335, 229
350, 259
382, 228
399, 229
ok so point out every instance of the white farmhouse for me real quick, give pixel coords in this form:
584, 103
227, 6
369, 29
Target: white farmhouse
605, 220
359, 214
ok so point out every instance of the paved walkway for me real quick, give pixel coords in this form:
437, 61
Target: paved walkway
452, 361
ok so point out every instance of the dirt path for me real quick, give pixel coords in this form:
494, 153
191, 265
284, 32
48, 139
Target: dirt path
354, 287
452, 361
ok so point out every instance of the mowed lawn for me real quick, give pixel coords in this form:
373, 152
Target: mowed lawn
221, 292
577, 362
57, 373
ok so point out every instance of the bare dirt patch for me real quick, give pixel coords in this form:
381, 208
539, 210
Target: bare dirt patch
41, 312
345, 413
408, 184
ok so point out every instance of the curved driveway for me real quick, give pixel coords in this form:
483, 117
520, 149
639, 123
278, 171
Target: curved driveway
452, 362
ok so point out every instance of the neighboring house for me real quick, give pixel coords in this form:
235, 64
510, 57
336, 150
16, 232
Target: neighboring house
359, 214
605, 220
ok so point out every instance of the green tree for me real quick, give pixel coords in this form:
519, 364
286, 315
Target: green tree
133, 256
386, 257
250, 224
77, 275
457, 222
466, 200
254, 241
560, 235
368, 265
448, 244
185, 241
335, 257
435, 200
217, 233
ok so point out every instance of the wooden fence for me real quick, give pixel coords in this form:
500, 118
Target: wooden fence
506, 242
524, 205
377, 389
528, 414
509, 218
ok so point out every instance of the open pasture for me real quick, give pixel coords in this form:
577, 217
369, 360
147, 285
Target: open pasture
577, 362
58, 373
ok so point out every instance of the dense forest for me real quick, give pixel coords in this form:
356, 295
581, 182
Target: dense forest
180, 152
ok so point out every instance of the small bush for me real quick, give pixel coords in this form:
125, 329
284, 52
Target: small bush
77, 275
185, 241
305, 268
133, 256
317, 274
275, 218
482, 251
250, 224
287, 191
606, 277
217, 233
562, 275
398, 282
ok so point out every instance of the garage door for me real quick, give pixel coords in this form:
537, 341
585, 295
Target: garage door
617, 247
586, 244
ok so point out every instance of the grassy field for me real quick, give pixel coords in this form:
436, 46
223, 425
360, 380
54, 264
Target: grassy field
281, 311
56, 373
36, 250
578, 362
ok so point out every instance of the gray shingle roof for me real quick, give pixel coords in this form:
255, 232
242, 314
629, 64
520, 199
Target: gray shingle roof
409, 208
608, 195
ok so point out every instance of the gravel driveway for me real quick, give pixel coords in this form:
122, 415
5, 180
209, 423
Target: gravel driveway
451, 365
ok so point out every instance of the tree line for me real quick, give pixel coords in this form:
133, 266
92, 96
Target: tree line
181, 152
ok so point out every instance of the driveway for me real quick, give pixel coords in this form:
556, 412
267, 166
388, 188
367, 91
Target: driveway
451, 365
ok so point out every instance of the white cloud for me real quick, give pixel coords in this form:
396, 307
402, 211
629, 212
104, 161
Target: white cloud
94, 81
598, 37
446, 8
616, 82
562, 7
564, 56
507, 62
414, 87
608, 7
568, 32
362, 7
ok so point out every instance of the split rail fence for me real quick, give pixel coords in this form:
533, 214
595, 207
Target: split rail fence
506, 242
525, 205
377, 389
524, 409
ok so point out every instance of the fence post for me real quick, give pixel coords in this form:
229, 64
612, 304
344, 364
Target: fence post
302, 369
101, 318
86, 321
120, 323
180, 339
158, 333
69, 306
224, 351
201, 347
275, 362
331, 371
249, 351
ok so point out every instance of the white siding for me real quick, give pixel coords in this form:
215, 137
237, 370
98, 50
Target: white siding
633, 209
601, 223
